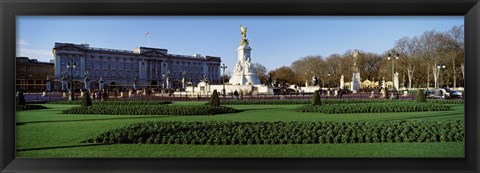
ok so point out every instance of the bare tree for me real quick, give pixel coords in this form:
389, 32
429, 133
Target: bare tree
306, 68
456, 49
260, 71
283, 74
408, 61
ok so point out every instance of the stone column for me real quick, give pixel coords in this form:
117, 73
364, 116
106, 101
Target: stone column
342, 82
395, 81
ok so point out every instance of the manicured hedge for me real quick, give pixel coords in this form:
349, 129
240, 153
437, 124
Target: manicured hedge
30, 107
265, 102
125, 103
443, 101
150, 110
301, 102
374, 107
316, 100
328, 101
233, 133
128, 103
421, 96
73, 102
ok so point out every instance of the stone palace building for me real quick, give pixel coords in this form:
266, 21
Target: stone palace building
142, 67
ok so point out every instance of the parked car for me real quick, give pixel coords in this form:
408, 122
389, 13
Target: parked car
427, 92
286, 91
437, 93
455, 94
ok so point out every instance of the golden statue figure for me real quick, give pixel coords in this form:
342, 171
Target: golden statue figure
243, 31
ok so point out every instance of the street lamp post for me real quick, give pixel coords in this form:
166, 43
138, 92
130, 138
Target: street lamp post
390, 58
168, 79
223, 81
440, 66
162, 91
163, 81
71, 66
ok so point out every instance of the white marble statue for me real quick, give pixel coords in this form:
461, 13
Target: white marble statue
243, 73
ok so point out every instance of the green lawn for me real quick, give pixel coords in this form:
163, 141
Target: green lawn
48, 133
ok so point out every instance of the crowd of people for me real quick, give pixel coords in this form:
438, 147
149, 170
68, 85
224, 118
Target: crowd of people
105, 94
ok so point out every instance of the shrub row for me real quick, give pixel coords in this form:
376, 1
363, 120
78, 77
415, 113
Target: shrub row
295, 102
233, 133
442, 101
374, 107
150, 110
29, 107
73, 102
125, 103
265, 102
328, 101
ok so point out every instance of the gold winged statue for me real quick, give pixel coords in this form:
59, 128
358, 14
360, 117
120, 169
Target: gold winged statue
243, 31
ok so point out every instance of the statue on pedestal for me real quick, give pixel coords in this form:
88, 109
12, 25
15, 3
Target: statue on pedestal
243, 72
238, 68
168, 79
356, 74
101, 83
205, 79
247, 66
86, 80
314, 81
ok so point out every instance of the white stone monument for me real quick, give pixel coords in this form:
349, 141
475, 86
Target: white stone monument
395, 81
243, 73
383, 82
355, 86
342, 82
355, 82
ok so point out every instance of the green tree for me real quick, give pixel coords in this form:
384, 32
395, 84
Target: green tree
214, 100
86, 101
316, 98
421, 96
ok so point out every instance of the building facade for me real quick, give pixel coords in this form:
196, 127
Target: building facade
31, 75
140, 68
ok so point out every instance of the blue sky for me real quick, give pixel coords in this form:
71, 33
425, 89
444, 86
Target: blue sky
276, 40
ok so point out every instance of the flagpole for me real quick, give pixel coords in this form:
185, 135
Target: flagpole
148, 38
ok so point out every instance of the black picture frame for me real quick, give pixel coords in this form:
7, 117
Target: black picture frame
470, 9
